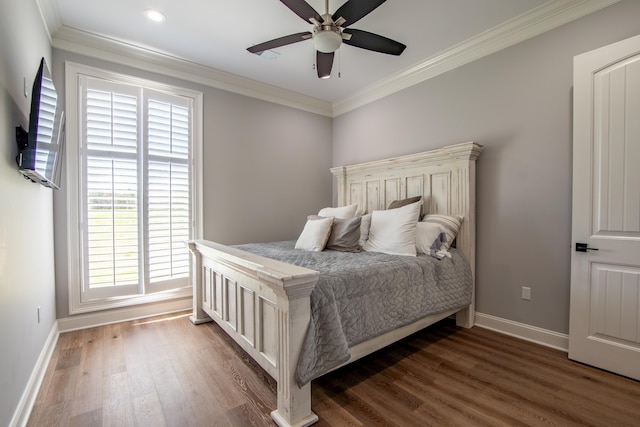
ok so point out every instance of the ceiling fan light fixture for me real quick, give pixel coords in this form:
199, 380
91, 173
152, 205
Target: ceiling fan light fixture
327, 41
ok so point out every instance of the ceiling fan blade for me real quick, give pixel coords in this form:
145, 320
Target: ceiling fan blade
282, 41
324, 63
374, 42
354, 10
303, 10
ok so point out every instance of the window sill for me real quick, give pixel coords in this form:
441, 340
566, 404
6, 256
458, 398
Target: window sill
127, 301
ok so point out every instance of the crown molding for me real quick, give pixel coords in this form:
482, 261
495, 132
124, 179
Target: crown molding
547, 16
109, 49
50, 16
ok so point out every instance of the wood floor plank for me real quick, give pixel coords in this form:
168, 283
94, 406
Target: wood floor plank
204, 403
55, 415
92, 355
147, 410
63, 386
173, 400
113, 347
117, 408
218, 380
334, 414
46, 381
87, 419
165, 371
88, 394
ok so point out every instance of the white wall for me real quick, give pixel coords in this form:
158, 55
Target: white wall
26, 215
517, 102
266, 167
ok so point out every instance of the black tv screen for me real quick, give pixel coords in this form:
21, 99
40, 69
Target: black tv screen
40, 150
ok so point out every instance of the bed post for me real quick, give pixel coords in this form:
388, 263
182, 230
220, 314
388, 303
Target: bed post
198, 316
340, 173
465, 156
294, 403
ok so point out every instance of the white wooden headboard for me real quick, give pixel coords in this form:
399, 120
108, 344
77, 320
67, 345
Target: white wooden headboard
445, 178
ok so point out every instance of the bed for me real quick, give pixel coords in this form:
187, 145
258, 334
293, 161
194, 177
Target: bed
264, 304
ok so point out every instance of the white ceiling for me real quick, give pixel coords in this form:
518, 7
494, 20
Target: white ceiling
216, 33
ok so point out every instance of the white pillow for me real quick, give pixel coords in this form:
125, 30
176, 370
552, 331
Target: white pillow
394, 231
365, 224
344, 212
430, 237
450, 223
315, 234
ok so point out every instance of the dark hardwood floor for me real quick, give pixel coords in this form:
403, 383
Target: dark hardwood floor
166, 371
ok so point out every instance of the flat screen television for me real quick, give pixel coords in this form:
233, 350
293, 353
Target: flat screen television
40, 150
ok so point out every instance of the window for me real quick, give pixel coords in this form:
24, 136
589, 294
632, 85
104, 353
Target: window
136, 199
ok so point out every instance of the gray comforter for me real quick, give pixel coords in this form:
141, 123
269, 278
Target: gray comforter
362, 295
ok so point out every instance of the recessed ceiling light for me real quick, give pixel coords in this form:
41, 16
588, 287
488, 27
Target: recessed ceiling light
154, 15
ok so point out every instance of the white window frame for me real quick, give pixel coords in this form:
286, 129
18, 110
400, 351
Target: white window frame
73, 73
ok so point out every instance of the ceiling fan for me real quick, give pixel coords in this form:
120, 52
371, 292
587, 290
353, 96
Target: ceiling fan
330, 31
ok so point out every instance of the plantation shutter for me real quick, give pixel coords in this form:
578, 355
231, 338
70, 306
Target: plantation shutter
168, 127
112, 251
136, 190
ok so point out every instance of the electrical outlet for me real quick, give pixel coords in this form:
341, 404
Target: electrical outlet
526, 293
38, 314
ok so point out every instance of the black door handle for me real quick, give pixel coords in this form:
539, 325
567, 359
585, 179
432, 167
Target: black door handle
582, 247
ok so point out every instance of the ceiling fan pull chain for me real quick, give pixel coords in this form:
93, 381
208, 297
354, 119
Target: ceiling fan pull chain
313, 55
339, 63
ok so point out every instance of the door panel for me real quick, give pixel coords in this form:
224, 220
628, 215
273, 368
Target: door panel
616, 148
615, 304
605, 283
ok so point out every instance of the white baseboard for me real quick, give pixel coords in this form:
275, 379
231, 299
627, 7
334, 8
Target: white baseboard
523, 331
90, 320
25, 405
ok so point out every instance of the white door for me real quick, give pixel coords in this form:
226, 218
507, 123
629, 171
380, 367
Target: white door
605, 283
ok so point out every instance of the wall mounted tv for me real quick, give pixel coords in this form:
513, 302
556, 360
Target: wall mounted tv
40, 150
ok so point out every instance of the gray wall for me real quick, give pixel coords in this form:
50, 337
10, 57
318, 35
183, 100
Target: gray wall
518, 103
26, 217
266, 167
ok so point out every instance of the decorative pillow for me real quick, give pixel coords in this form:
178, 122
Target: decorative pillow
450, 223
364, 229
429, 239
404, 202
394, 231
341, 212
315, 234
345, 235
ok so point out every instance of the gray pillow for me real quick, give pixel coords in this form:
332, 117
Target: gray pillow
400, 203
345, 234
404, 202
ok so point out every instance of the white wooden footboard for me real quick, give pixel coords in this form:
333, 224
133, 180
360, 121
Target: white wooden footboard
263, 304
